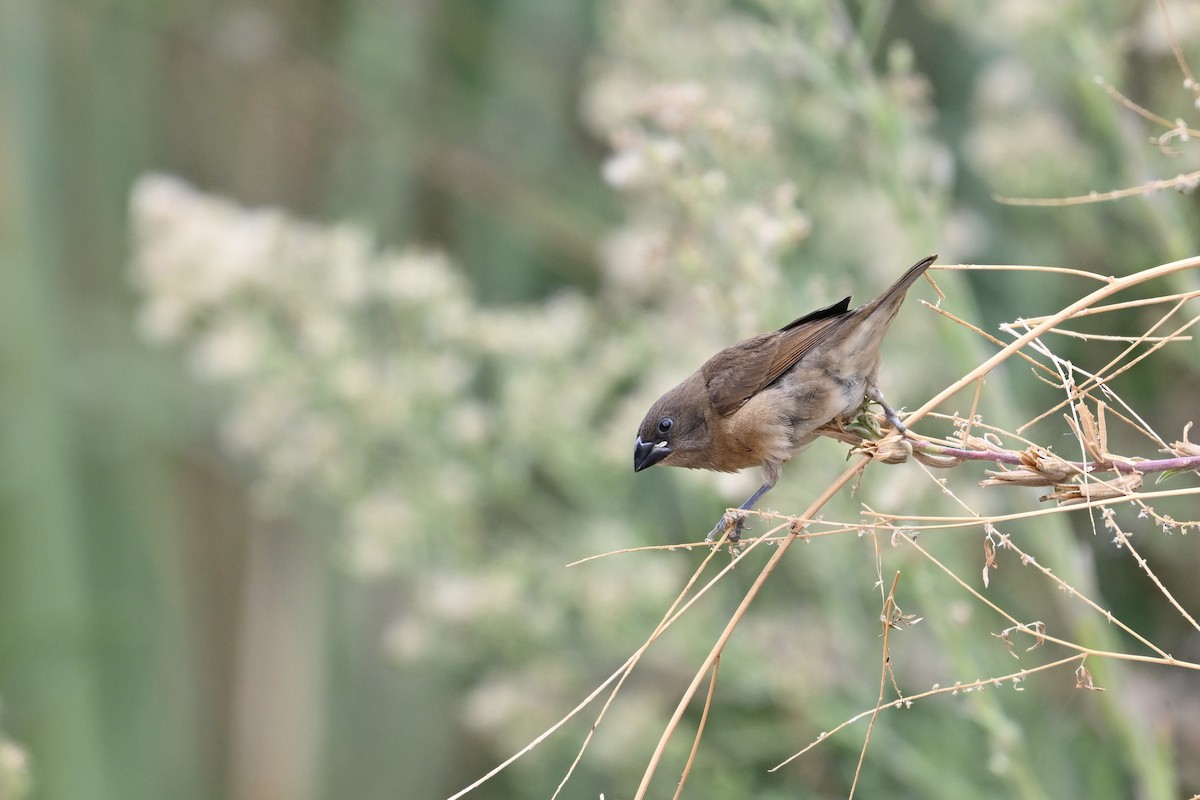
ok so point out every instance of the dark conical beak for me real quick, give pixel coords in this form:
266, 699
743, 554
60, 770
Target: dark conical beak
647, 454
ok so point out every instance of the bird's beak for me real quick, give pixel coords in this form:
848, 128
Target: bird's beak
647, 454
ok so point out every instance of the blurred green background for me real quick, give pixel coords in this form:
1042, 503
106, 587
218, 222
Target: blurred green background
371, 600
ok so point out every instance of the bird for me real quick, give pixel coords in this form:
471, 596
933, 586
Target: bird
761, 401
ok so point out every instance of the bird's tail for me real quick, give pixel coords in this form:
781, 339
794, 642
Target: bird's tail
895, 292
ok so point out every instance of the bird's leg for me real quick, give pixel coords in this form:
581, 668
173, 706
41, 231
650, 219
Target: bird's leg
889, 413
737, 518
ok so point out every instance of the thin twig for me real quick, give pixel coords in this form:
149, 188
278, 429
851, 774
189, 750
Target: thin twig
1183, 181
1111, 287
1189, 78
783, 545
668, 619
687, 768
1145, 466
951, 522
888, 605
1123, 541
957, 688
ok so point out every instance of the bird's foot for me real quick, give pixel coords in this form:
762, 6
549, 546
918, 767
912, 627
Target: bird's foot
864, 424
889, 413
736, 519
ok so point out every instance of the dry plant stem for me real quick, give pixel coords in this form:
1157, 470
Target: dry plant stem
996, 340
1175, 130
644, 549
1187, 179
1078, 273
1175, 48
618, 676
1104, 337
1140, 110
955, 689
966, 434
950, 523
1158, 342
1088, 467
1005, 541
751, 593
1123, 539
1179, 300
548, 732
888, 605
1165, 659
1113, 286
1125, 305
687, 768
1099, 378
669, 618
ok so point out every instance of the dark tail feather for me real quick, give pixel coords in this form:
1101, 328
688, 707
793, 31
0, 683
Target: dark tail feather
895, 293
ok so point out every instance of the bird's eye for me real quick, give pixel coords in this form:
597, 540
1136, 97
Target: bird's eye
664, 425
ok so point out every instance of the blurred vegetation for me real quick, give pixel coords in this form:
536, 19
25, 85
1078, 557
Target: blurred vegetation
421, 268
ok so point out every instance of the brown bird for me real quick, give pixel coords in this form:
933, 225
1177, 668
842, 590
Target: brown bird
762, 400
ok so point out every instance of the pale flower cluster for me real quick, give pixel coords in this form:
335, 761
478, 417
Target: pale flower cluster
724, 133
682, 151
449, 441
1034, 152
364, 382
15, 779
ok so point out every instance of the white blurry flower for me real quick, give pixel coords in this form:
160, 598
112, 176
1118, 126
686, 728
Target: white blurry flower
1020, 139
310, 448
324, 332
232, 349
491, 706
674, 107
626, 169
1153, 36
247, 36
348, 263
163, 319
1007, 85
378, 524
15, 780
451, 484
442, 374
642, 163
714, 182
417, 277
261, 417
736, 486
470, 423
194, 251
564, 322
556, 328
1022, 17
635, 259
356, 380
410, 639
773, 229
464, 597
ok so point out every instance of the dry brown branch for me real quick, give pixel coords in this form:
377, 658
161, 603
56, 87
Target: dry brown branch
687, 768
677, 609
886, 617
1111, 287
782, 548
1076, 485
1176, 131
958, 688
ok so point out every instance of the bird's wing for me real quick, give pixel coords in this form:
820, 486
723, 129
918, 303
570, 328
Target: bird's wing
737, 373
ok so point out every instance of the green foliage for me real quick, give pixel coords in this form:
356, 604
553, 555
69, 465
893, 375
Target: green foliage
336, 538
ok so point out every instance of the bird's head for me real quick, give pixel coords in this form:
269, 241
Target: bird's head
675, 430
